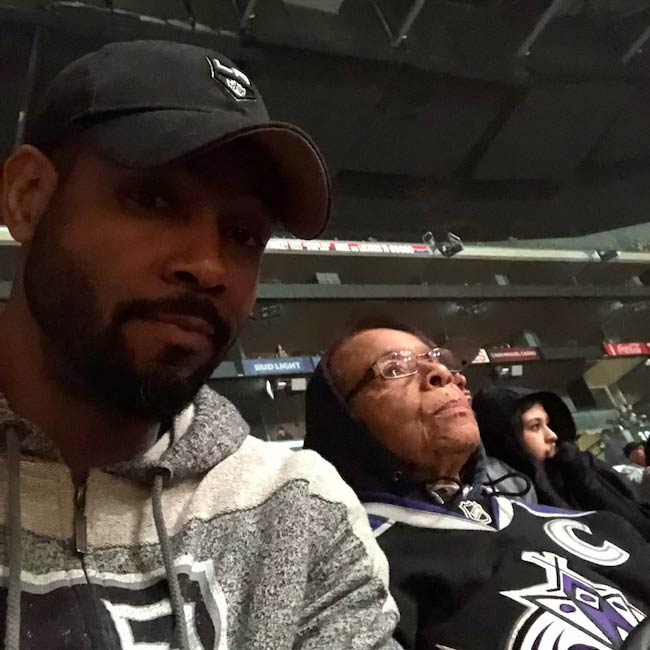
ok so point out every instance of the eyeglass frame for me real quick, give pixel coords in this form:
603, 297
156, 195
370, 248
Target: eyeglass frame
374, 372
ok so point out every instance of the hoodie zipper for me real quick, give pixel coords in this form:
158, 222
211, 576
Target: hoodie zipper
80, 523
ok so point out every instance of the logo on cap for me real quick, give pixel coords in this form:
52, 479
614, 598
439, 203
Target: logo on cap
235, 82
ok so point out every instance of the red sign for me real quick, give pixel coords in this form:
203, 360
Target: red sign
481, 357
513, 355
327, 246
626, 349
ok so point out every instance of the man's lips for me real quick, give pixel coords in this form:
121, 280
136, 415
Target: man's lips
188, 323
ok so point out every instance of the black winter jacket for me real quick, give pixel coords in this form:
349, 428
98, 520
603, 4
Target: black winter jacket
573, 478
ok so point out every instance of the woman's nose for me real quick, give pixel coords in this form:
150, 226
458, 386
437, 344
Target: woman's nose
437, 375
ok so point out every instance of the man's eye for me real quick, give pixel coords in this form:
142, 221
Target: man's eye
151, 200
244, 237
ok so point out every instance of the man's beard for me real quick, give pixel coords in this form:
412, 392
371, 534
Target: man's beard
94, 362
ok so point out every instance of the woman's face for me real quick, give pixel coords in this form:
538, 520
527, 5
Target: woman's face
539, 438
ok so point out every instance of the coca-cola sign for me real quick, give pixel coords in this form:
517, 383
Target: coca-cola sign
626, 349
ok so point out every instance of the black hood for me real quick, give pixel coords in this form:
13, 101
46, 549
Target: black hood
363, 462
496, 410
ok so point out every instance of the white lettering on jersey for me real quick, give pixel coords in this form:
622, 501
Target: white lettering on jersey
562, 532
569, 611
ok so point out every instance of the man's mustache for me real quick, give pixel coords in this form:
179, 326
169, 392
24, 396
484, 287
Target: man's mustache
187, 305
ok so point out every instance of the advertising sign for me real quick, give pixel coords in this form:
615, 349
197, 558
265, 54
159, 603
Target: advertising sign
481, 357
626, 349
350, 247
280, 366
513, 355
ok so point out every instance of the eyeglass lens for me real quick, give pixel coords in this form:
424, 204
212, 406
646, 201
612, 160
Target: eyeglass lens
405, 363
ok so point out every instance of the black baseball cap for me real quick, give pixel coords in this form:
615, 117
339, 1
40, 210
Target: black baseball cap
143, 104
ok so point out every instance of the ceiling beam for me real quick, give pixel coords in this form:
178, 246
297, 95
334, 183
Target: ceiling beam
637, 46
290, 292
406, 25
555, 8
32, 69
248, 15
190, 11
396, 39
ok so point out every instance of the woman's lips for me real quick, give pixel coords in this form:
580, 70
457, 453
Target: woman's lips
459, 404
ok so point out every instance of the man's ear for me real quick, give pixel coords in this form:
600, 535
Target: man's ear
29, 181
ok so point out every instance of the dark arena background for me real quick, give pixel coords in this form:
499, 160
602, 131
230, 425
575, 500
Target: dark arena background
491, 172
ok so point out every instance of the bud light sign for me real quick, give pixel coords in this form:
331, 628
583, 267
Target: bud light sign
279, 366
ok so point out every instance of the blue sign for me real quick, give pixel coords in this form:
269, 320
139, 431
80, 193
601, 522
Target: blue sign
279, 366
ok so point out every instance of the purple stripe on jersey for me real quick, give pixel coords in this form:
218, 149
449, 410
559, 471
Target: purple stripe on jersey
391, 499
376, 521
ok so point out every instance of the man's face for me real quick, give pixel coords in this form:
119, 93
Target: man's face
424, 418
140, 280
637, 456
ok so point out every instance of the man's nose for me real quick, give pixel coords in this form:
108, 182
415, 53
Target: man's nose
436, 375
199, 263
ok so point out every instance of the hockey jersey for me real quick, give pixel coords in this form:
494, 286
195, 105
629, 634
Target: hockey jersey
501, 574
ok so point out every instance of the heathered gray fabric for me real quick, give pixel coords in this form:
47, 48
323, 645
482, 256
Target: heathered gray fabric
280, 543
218, 430
497, 469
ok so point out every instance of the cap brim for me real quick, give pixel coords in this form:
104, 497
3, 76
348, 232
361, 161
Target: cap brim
153, 138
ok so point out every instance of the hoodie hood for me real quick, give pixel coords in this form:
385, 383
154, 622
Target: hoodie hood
496, 409
209, 430
363, 462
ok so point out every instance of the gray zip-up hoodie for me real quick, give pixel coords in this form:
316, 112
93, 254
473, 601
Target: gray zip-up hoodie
211, 540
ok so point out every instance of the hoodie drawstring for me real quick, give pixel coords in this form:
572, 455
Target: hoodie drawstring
528, 484
15, 552
12, 614
175, 595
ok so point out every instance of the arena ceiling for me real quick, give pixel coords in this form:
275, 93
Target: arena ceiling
488, 118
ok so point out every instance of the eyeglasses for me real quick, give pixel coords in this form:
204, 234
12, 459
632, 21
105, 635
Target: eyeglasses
404, 363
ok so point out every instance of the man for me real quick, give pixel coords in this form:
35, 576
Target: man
139, 513
470, 568
635, 453
636, 470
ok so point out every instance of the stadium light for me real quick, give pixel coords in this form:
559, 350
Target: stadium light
607, 255
451, 245
429, 240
